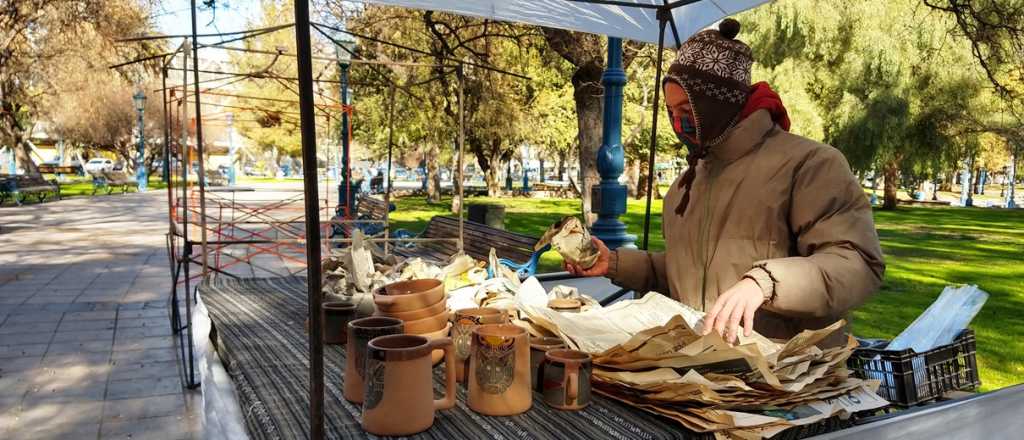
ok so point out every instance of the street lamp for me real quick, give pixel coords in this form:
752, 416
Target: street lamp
526, 174
343, 48
140, 167
231, 149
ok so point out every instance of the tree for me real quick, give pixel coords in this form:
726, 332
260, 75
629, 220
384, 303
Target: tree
38, 36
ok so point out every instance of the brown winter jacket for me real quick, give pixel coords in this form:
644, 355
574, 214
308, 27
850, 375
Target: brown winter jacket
773, 206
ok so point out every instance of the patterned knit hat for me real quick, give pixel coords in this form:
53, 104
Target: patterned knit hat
714, 70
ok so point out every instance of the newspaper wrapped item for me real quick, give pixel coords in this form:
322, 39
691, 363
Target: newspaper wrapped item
650, 353
572, 241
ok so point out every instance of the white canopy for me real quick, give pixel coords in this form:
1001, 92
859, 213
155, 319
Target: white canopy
629, 22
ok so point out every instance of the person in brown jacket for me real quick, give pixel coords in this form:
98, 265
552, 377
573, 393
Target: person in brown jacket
766, 229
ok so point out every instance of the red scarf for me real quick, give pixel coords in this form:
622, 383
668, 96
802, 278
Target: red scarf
763, 97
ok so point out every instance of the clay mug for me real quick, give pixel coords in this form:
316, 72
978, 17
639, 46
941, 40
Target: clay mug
499, 370
538, 348
337, 315
400, 387
360, 332
566, 379
565, 305
466, 320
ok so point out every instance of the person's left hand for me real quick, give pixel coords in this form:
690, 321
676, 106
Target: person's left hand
736, 304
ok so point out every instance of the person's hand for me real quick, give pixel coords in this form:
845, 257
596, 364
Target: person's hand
599, 269
736, 304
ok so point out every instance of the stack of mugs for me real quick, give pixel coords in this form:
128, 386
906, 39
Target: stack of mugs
390, 358
420, 305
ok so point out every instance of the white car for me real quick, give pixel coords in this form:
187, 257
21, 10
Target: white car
99, 165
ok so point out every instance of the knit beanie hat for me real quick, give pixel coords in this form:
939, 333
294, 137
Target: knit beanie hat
714, 69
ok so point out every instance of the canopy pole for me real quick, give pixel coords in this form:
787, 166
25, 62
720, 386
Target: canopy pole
654, 127
187, 249
312, 211
167, 152
462, 140
387, 191
199, 139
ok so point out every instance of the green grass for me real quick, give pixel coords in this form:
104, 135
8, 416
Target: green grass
926, 249
79, 186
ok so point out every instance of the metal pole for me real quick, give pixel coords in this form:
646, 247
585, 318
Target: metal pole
167, 151
309, 180
199, 138
231, 149
140, 173
610, 194
391, 138
654, 127
462, 142
187, 255
346, 165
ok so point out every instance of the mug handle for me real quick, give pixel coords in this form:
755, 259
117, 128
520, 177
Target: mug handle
572, 378
449, 372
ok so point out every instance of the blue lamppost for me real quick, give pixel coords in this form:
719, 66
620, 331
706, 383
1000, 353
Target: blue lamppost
610, 195
140, 168
231, 149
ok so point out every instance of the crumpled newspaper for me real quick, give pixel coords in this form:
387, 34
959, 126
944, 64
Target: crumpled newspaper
572, 241
561, 291
500, 270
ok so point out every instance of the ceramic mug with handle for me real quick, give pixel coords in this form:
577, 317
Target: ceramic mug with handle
360, 332
566, 379
466, 320
399, 391
499, 370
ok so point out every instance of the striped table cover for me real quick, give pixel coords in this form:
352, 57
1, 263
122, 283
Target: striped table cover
260, 336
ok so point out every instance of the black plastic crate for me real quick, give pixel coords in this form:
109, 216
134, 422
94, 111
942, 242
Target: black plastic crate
909, 378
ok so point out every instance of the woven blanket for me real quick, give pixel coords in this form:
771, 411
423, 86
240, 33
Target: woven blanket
259, 334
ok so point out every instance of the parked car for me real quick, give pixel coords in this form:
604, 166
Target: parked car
119, 166
99, 165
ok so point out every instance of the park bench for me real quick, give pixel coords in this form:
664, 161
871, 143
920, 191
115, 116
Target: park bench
215, 178
516, 250
370, 214
111, 180
911, 202
19, 188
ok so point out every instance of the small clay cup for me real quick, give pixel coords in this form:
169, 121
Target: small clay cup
462, 331
360, 332
400, 386
538, 348
566, 379
499, 370
405, 296
565, 305
337, 315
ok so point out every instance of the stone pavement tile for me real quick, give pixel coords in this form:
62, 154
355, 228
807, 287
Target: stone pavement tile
146, 296
143, 332
67, 307
135, 343
27, 338
103, 346
24, 350
127, 303
103, 290
72, 383
143, 407
99, 324
14, 384
164, 303
35, 317
60, 292
27, 327
143, 387
8, 299
60, 360
99, 298
155, 428
83, 335
58, 420
105, 306
145, 313
92, 315
136, 370
161, 321
51, 299
152, 355
11, 365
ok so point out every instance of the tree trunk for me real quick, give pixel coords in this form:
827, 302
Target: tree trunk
589, 108
947, 181
456, 182
23, 154
633, 178
892, 184
561, 166
433, 176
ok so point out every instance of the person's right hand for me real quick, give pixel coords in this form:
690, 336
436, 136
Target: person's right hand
599, 269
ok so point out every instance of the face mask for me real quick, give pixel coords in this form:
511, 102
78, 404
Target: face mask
683, 126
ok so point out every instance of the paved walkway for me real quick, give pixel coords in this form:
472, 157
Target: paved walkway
85, 341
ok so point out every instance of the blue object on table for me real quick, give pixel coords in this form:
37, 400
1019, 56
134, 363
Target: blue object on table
610, 195
523, 270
